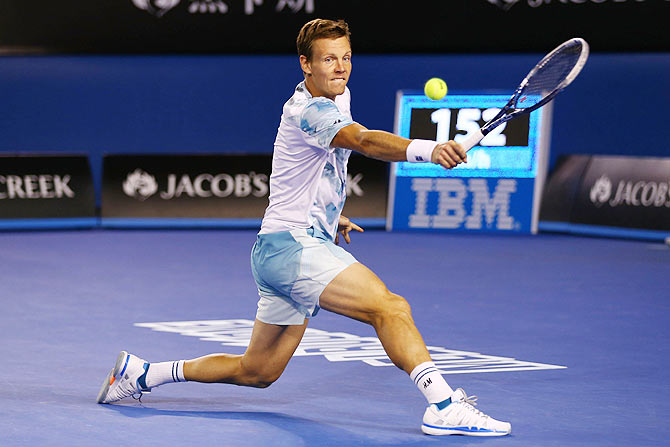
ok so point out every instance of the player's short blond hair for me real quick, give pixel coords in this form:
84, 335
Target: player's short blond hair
320, 29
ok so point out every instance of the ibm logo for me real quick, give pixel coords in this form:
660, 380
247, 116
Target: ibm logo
451, 211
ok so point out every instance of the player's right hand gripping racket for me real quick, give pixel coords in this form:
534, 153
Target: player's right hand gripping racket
551, 75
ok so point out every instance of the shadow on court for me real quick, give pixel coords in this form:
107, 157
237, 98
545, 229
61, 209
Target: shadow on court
310, 431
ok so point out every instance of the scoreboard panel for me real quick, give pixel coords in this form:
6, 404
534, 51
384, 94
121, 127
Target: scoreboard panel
498, 189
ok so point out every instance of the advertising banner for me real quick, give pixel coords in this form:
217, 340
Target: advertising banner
466, 204
219, 187
558, 197
602, 193
45, 187
271, 26
367, 189
496, 190
625, 192
207, 186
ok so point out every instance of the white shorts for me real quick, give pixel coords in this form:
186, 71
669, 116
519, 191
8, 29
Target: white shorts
291, 269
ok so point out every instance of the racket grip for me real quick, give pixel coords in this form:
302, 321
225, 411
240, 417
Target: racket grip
472, 140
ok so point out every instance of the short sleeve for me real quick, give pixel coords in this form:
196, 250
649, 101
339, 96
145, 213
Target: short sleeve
321, 119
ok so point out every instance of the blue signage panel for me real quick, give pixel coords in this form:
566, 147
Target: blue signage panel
472, 204
496, 190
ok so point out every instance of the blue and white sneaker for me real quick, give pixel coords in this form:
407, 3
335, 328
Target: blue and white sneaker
127, 378
462, 418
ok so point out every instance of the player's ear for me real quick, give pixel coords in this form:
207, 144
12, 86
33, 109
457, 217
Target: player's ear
305, 65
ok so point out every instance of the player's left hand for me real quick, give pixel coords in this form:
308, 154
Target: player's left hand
344, 227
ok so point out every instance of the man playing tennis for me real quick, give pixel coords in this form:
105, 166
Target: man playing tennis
296, 262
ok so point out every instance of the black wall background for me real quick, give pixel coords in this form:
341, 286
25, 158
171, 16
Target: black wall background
270, 26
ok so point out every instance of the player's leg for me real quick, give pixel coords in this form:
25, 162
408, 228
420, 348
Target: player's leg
358, 293
270, 349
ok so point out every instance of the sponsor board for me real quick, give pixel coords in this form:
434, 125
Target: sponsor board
367, 188
158, 8
176, 186
610, 191
625, 191
497, 190
271, 26
45, 186
559, 193
465, 204
344, 347
218, 186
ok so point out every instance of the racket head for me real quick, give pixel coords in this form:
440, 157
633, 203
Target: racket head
551, 75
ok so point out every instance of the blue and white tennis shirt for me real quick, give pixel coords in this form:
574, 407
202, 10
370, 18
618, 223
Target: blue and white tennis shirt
307, 185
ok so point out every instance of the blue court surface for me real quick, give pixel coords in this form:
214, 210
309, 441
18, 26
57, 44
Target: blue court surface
566, 337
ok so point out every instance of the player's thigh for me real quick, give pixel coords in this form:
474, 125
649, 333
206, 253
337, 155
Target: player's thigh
358, 293
272, 346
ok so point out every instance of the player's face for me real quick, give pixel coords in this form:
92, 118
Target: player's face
329, 68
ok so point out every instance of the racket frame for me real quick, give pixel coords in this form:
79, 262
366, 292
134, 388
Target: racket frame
510, 111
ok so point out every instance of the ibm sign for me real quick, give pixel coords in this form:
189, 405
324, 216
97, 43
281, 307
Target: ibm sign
497, 190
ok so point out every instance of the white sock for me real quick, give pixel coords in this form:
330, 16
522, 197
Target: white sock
165, 372
431, 383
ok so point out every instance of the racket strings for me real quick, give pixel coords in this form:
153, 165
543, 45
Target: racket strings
550, 74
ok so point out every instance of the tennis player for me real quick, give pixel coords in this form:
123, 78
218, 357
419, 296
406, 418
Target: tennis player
297, 262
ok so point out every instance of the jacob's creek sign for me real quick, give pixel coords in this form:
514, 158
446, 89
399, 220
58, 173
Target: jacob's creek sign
216, 186
45, 187
142, 185
629, 192
197, 186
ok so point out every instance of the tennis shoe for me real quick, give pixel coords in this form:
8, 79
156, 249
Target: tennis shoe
127, 378
461, 417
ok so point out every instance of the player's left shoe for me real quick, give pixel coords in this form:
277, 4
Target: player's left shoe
462, 418
127, 378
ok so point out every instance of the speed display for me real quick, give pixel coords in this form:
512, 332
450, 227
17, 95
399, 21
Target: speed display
510, 150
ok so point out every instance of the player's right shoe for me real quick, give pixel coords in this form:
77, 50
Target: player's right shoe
462, 418
127, 378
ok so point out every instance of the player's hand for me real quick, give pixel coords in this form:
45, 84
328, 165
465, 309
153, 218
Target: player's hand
344, 227
449, 154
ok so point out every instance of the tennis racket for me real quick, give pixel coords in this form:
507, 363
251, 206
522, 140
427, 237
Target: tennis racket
551, 75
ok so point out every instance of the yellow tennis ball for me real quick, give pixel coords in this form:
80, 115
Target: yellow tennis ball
435, 88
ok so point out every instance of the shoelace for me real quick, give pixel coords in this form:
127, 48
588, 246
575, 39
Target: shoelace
468, 404
125, 389
472, 400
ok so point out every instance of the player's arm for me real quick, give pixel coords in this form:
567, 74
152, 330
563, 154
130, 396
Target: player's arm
389, 147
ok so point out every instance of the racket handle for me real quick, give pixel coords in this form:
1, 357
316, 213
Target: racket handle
472, 140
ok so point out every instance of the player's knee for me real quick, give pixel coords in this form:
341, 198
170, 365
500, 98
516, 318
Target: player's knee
393, 307
260, 377
263, 382
400, 307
